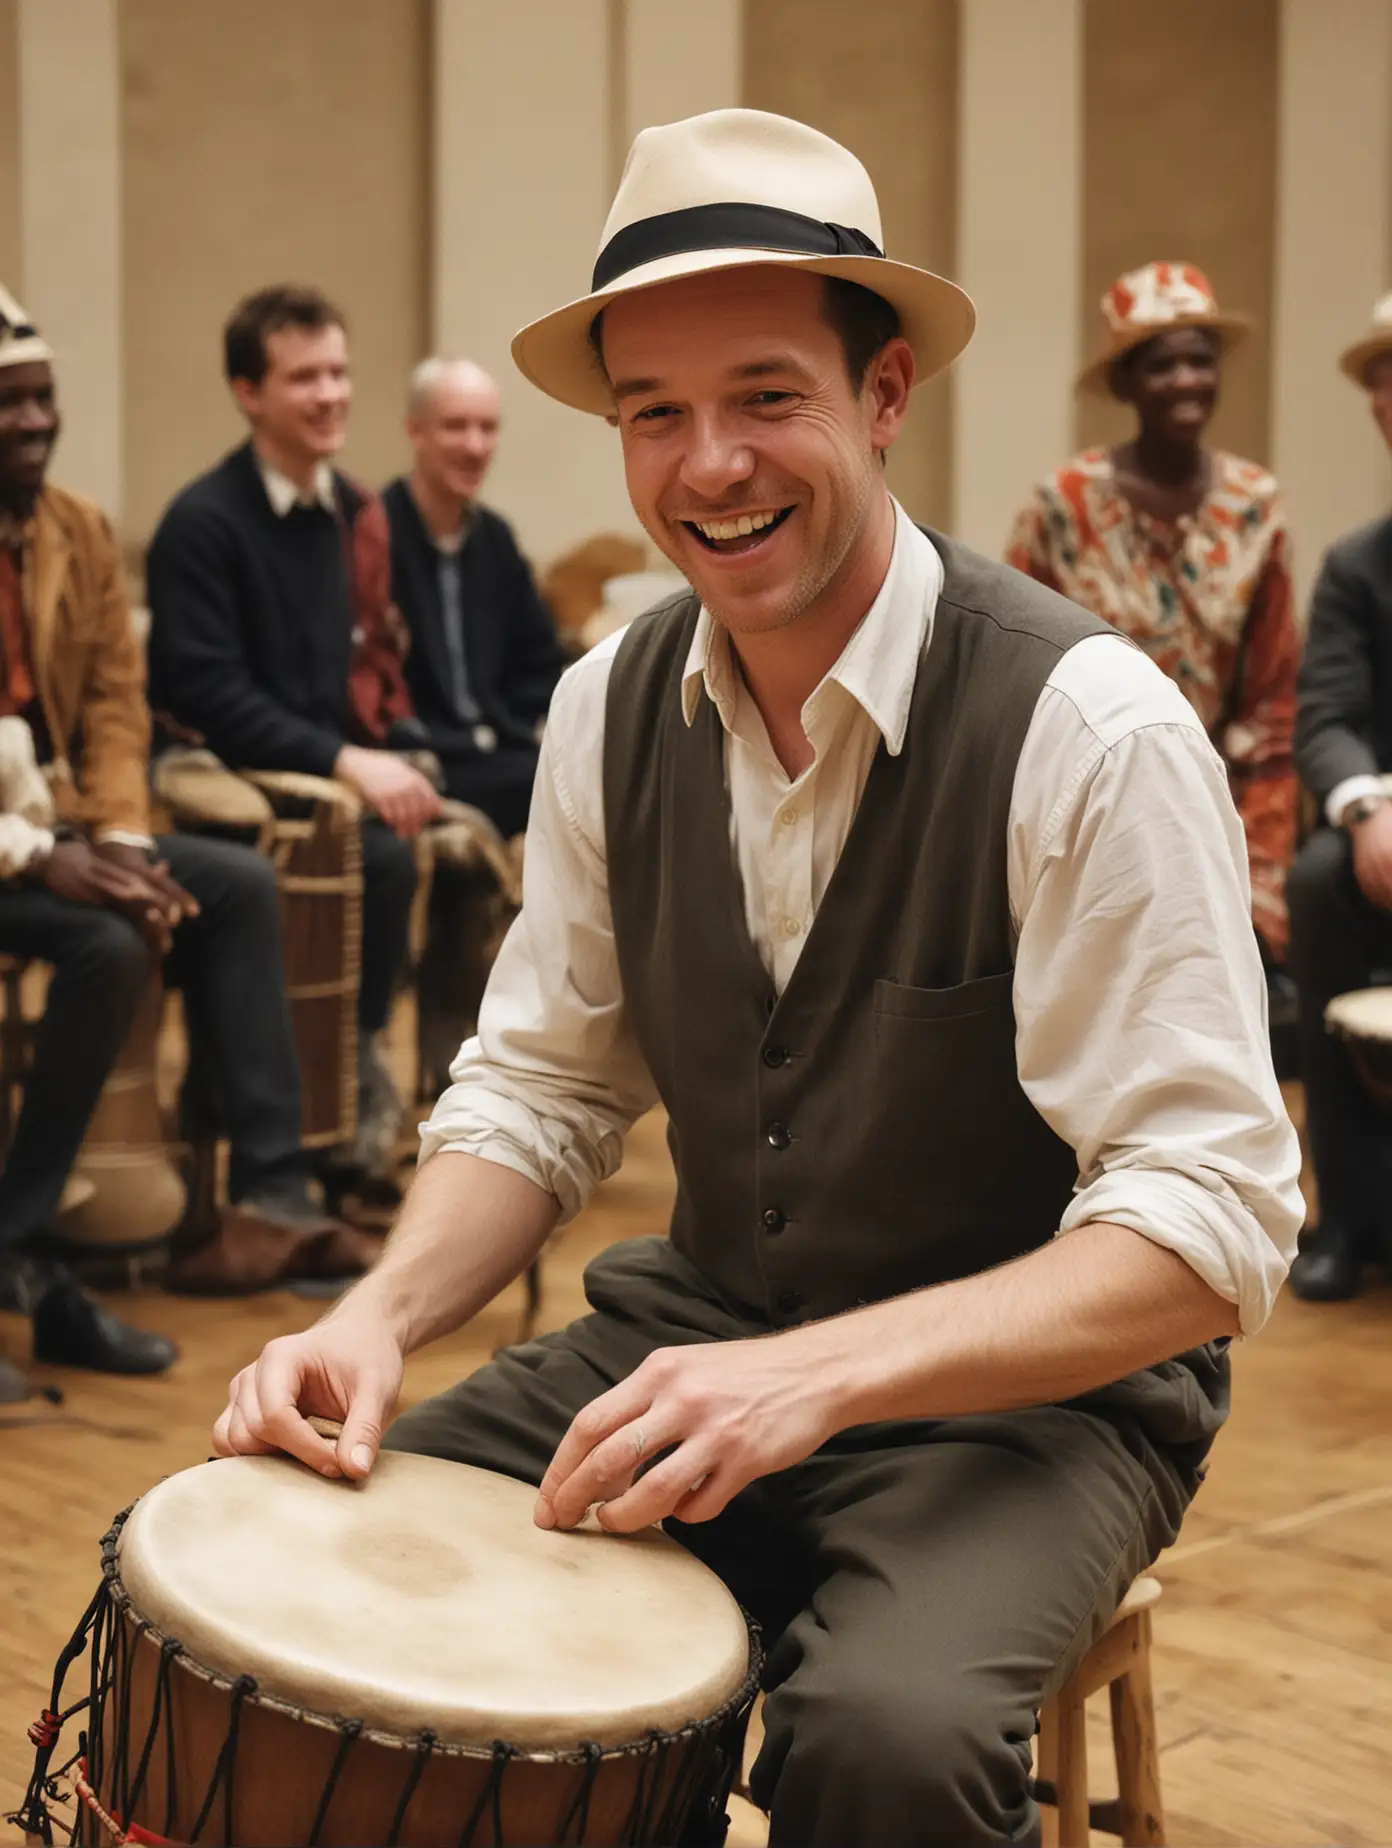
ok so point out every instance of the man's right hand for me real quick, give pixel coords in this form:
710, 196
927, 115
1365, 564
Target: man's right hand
75, 872
1372, 856
347, 1367
390, 786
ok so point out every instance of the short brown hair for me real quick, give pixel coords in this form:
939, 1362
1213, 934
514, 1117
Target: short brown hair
258, 316
862, 321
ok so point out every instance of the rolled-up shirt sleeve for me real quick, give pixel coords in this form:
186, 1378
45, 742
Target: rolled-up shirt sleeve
554, 1079
1139, 996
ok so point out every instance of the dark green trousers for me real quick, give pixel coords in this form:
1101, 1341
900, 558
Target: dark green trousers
921, 1585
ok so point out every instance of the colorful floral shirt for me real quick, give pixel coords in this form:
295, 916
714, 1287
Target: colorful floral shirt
1208, 596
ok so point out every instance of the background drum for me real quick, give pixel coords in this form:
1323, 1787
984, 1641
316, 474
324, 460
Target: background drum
137, 1194
279, 1659
1362, 1019
308, 826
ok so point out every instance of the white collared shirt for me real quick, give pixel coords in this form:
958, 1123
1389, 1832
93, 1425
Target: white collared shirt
283, 494
1140, 1004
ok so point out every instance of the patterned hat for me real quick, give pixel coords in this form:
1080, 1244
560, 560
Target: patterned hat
1150, 301
20, 343
1355, 360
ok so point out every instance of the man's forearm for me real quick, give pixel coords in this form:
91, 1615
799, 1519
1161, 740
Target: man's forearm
1082, 1311
468, 1228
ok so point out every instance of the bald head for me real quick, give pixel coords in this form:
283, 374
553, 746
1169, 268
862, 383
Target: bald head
453, 413
435, 377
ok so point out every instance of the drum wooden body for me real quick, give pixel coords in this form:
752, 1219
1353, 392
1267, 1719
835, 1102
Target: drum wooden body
138, 1196
283, 1660
469, 892
309, 826
1362, 1019
316, 846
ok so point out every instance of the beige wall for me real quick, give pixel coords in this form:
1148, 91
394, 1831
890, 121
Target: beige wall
9, 147
268, 141
882, 79
1179, 160
517, 237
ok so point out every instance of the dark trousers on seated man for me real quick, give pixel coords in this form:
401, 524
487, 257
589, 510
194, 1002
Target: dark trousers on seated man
239, 1027
921, 1586
498, 781
1340, 941
389, 886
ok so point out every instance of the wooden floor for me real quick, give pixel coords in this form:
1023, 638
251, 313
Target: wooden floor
1273, 1643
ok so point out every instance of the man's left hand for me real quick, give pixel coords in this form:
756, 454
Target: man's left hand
728, 1412
174, 902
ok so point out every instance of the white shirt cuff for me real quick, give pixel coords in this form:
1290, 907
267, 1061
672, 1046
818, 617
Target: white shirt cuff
1350, 790
1201, 1218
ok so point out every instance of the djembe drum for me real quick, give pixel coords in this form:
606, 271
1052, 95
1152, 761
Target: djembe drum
137, 1196
279, 1659
469, 893
308, 826
1362, 1019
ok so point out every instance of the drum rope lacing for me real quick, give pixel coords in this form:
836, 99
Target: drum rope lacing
113, 1630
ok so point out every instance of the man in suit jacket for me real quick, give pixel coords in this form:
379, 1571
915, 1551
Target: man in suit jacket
85, 887
1340, 888
484, 659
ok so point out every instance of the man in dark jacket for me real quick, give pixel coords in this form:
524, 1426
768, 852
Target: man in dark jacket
1340, 889
273, 640
483, 660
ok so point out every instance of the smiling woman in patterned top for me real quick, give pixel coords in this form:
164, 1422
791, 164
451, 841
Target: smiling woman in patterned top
1184, 549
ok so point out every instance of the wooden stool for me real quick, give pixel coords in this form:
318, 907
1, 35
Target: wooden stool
1120, 1662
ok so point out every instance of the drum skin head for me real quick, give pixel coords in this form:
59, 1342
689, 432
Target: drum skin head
1363, 1013
426, 1597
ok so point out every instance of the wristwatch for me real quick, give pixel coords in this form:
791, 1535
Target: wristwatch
1360, 809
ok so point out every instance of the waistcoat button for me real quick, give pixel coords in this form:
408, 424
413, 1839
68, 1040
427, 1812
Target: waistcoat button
773, 1219
775, 1056
780, 1136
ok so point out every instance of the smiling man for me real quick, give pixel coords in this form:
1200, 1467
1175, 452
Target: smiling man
273, 639
1184, 548
100, 900
484, 660
916, 896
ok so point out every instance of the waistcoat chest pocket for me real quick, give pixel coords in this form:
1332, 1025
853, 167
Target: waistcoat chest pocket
990, 994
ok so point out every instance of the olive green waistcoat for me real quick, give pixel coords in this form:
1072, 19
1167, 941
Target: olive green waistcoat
865, 1133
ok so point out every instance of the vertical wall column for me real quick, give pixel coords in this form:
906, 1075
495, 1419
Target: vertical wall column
70, 224
680, 61
521, 184
1018, 253
1332, 262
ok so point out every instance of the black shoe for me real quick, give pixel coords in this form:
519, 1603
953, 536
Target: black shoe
71, 1329
1328, 1269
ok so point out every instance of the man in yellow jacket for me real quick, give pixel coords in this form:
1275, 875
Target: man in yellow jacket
94, 895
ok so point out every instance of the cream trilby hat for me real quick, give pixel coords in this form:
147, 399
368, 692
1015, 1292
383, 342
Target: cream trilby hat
1355, 360
721, 191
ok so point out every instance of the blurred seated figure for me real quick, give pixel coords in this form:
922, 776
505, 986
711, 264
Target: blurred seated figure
85, 888
1184, 549
272, 636
1340, 887
483, 659
575, 587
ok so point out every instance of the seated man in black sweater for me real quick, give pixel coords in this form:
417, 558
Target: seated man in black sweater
484, 659
272, 636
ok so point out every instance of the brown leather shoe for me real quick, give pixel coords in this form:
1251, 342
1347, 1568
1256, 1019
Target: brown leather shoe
338, 1251
260, 1245
250, 1251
